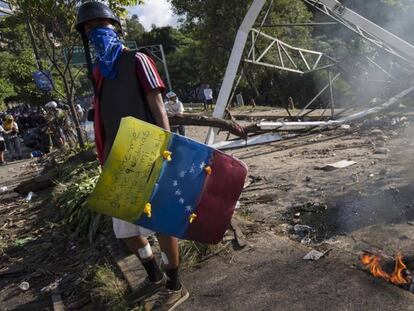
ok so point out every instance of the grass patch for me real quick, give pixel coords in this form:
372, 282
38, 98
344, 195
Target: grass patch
3, 245
108, 290
76, 179
193, 253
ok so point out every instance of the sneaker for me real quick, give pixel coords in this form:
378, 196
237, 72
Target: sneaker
166, 300
145, 290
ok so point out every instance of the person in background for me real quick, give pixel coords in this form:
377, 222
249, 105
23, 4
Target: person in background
80, 111
208, 97
55, 120
174, 107
2, 146
12, 139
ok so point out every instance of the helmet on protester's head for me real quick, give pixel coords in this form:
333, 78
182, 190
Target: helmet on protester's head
51, 105
9, 117
95, 10
171, 95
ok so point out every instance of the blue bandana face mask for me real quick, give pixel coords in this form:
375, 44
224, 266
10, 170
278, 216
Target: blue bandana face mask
108, 48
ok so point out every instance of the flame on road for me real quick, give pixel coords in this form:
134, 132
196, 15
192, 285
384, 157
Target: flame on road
373, 263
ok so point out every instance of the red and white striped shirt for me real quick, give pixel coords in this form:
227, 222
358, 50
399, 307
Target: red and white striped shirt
148, 75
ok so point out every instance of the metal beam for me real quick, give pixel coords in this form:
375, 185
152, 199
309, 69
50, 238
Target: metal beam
365, 28
303, 126
234, 62
300, 24
6, 11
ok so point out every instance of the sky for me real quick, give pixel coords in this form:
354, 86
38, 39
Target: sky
157, 12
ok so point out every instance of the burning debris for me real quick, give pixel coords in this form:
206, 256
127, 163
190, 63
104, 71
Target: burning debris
401, 275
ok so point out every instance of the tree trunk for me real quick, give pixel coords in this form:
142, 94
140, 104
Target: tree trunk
75, 119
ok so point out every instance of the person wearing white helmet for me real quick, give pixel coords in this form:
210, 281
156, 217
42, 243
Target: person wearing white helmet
56, 120
51, 105
174, 107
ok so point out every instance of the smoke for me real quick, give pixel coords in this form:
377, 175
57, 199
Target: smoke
370, 75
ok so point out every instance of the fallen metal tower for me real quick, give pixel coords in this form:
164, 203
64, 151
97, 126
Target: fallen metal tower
370, 31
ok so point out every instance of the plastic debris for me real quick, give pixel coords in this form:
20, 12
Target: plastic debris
3, 189
313, 255
24, 286
338, 165
302, 229
36, 154
29, 196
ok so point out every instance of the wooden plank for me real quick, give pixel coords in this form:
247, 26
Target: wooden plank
132, 270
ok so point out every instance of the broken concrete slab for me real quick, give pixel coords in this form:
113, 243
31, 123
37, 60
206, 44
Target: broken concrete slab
313, 255
338, 165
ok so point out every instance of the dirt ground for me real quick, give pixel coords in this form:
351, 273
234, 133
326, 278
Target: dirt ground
364, 207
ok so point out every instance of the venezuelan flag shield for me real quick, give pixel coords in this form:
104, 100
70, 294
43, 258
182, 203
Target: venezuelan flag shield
168, 183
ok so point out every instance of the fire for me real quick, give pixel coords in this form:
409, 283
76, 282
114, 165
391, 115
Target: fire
397, 277
373, 262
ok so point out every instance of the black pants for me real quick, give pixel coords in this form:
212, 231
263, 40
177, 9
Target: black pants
208, 103
180, 129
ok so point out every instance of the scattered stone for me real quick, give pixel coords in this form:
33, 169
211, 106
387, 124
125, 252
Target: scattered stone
24, 286
308, 179
411, 223
29, 196
306, 241
381, 151
313, 255
3, 189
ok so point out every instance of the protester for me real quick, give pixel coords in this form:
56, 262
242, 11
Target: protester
208, 97
174, 107
55, 122
128, 84
12, 139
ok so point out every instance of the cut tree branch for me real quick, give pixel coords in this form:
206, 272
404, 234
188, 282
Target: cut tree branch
226, 125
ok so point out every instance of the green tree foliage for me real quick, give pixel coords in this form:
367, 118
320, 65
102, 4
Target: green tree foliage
17, 63
53, 23
213, 24
6, 91
134, 29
